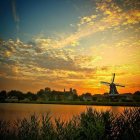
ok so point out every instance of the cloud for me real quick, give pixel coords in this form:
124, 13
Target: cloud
24, 60
109, 15
65, 61
30, 61
15, 14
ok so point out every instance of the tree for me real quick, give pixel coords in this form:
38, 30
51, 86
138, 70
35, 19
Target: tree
47, 90
40, 92
15, 93
136, 96
137, 93
31, 96
3, 96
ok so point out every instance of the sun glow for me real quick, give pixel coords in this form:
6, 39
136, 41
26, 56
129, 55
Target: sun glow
78, 48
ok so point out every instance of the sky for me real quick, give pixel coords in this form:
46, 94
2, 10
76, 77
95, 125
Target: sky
69, 43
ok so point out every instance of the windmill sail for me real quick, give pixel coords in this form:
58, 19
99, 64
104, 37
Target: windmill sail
113, 89
119, 85
113, 78
106, 83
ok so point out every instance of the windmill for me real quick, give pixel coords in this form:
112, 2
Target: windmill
113, 89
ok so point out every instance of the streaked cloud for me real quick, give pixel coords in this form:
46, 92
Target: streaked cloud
102, 42
15, 14
109, 15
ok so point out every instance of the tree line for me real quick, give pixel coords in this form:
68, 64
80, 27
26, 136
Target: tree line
52, 95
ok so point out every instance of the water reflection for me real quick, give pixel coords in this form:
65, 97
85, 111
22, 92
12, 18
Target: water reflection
15, 111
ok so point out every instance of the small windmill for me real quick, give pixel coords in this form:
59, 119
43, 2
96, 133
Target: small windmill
113, 89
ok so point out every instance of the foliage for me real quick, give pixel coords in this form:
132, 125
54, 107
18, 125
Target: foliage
136, 96
47, 95
3, 95
89, 125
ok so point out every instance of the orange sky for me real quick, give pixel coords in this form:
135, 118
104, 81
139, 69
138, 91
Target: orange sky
102, 41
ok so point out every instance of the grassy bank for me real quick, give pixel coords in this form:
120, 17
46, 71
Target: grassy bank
134, 104
89, 125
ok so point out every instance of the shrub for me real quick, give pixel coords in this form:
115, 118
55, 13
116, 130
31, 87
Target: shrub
89, 125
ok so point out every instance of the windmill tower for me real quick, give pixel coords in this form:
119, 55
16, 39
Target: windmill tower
113, 89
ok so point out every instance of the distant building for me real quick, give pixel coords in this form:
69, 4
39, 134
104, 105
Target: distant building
71, 90
87, 97
74, 91
12, 99
70, 95
126, 97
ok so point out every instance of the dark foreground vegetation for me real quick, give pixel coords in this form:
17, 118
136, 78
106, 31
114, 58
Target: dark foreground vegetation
89, 125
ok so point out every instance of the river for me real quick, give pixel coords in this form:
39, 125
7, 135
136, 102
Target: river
14, 111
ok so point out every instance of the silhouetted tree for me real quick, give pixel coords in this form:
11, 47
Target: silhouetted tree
47, 90
94, 98
137, 93
136, 96
40, 92
75, 97
31, 96
3, 96
15, 93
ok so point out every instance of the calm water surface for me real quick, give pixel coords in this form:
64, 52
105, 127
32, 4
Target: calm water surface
11, 112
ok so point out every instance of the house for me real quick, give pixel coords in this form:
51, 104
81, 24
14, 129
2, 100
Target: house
87, 97
12, 99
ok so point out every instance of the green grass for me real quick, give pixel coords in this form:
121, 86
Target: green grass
89, 125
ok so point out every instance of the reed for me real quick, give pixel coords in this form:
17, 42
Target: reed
89, 125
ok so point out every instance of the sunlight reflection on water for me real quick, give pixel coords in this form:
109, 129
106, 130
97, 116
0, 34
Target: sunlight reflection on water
11, 112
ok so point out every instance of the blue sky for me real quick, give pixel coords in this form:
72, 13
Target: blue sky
69, 43
46, 16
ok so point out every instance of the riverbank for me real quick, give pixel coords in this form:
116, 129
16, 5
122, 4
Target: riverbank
133, 104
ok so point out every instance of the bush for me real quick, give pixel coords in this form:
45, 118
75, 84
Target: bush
89, 125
